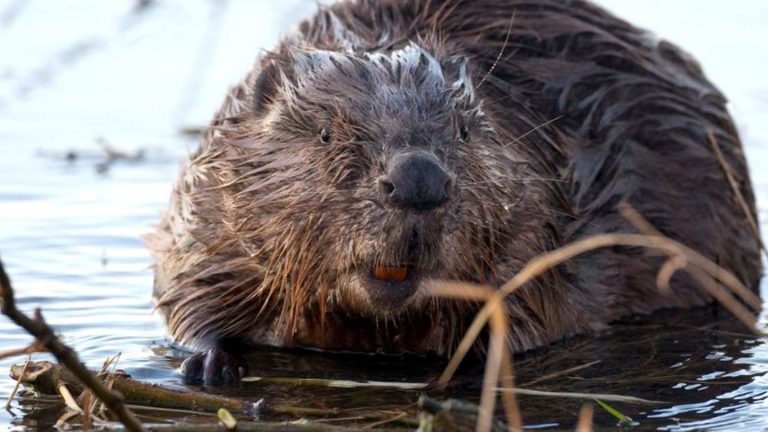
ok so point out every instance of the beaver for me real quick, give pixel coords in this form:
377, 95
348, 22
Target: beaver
386, 143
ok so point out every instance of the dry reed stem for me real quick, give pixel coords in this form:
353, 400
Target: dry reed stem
501, 52
467, 291
735, 188
395, 418
714, 272
703, 270
34, 347
558, 374
586, 396
585, 418
89, 405
69, 400
509, 399
501, 370
670, 267
556, 257
93, 408
496, 348
18, 382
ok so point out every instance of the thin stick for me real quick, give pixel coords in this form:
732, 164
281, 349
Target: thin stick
69, 400
507, 380
461, 290
670, 267
34, 347
494, 371
735, 188
38, 328
561, 373
385, 421
496, 347
18, 382
585, 396
585, 418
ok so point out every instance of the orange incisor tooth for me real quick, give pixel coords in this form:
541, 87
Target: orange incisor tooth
397, 274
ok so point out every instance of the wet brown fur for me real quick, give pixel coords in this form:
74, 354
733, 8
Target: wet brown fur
580, 111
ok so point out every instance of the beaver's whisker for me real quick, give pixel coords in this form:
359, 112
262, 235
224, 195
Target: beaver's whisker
532, 130
501, 52
520, 179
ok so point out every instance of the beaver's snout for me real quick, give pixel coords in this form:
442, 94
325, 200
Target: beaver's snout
416, 181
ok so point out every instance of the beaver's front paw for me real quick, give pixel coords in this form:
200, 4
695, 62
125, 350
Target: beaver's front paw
214, 367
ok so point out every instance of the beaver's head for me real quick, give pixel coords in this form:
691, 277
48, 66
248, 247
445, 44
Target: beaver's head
359, 176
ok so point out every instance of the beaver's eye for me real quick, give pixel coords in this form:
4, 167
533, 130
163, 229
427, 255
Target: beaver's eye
325, 136
464, 134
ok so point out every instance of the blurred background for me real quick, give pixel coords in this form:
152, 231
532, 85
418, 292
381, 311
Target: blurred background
99, 102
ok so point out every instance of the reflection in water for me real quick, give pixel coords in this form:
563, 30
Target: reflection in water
699, 364
70, 232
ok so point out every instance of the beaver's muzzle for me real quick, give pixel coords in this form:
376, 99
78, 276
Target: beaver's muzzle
416, 181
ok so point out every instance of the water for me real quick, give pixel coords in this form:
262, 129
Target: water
78, 76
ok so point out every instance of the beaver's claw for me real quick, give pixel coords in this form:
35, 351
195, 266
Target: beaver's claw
214, 367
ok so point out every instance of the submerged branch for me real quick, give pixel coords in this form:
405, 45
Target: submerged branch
46, 376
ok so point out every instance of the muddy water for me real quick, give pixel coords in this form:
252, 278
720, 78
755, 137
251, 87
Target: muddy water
81, 80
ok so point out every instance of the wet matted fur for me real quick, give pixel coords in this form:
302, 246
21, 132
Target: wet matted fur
546, 114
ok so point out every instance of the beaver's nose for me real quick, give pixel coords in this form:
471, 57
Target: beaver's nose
416, 181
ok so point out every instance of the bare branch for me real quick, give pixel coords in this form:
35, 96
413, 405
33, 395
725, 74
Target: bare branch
38, 328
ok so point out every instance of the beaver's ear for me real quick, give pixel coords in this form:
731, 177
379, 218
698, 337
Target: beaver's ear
265, 87
457, 77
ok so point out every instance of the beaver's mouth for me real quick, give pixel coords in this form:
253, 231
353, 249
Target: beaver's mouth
391, 273
389, 287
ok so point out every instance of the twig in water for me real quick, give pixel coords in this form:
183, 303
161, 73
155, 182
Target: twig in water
18, 383
37, 327
34, 347
585, 396
562, 372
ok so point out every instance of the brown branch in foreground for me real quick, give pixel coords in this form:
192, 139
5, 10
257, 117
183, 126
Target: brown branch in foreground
34, 347
44, 376
38, 328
